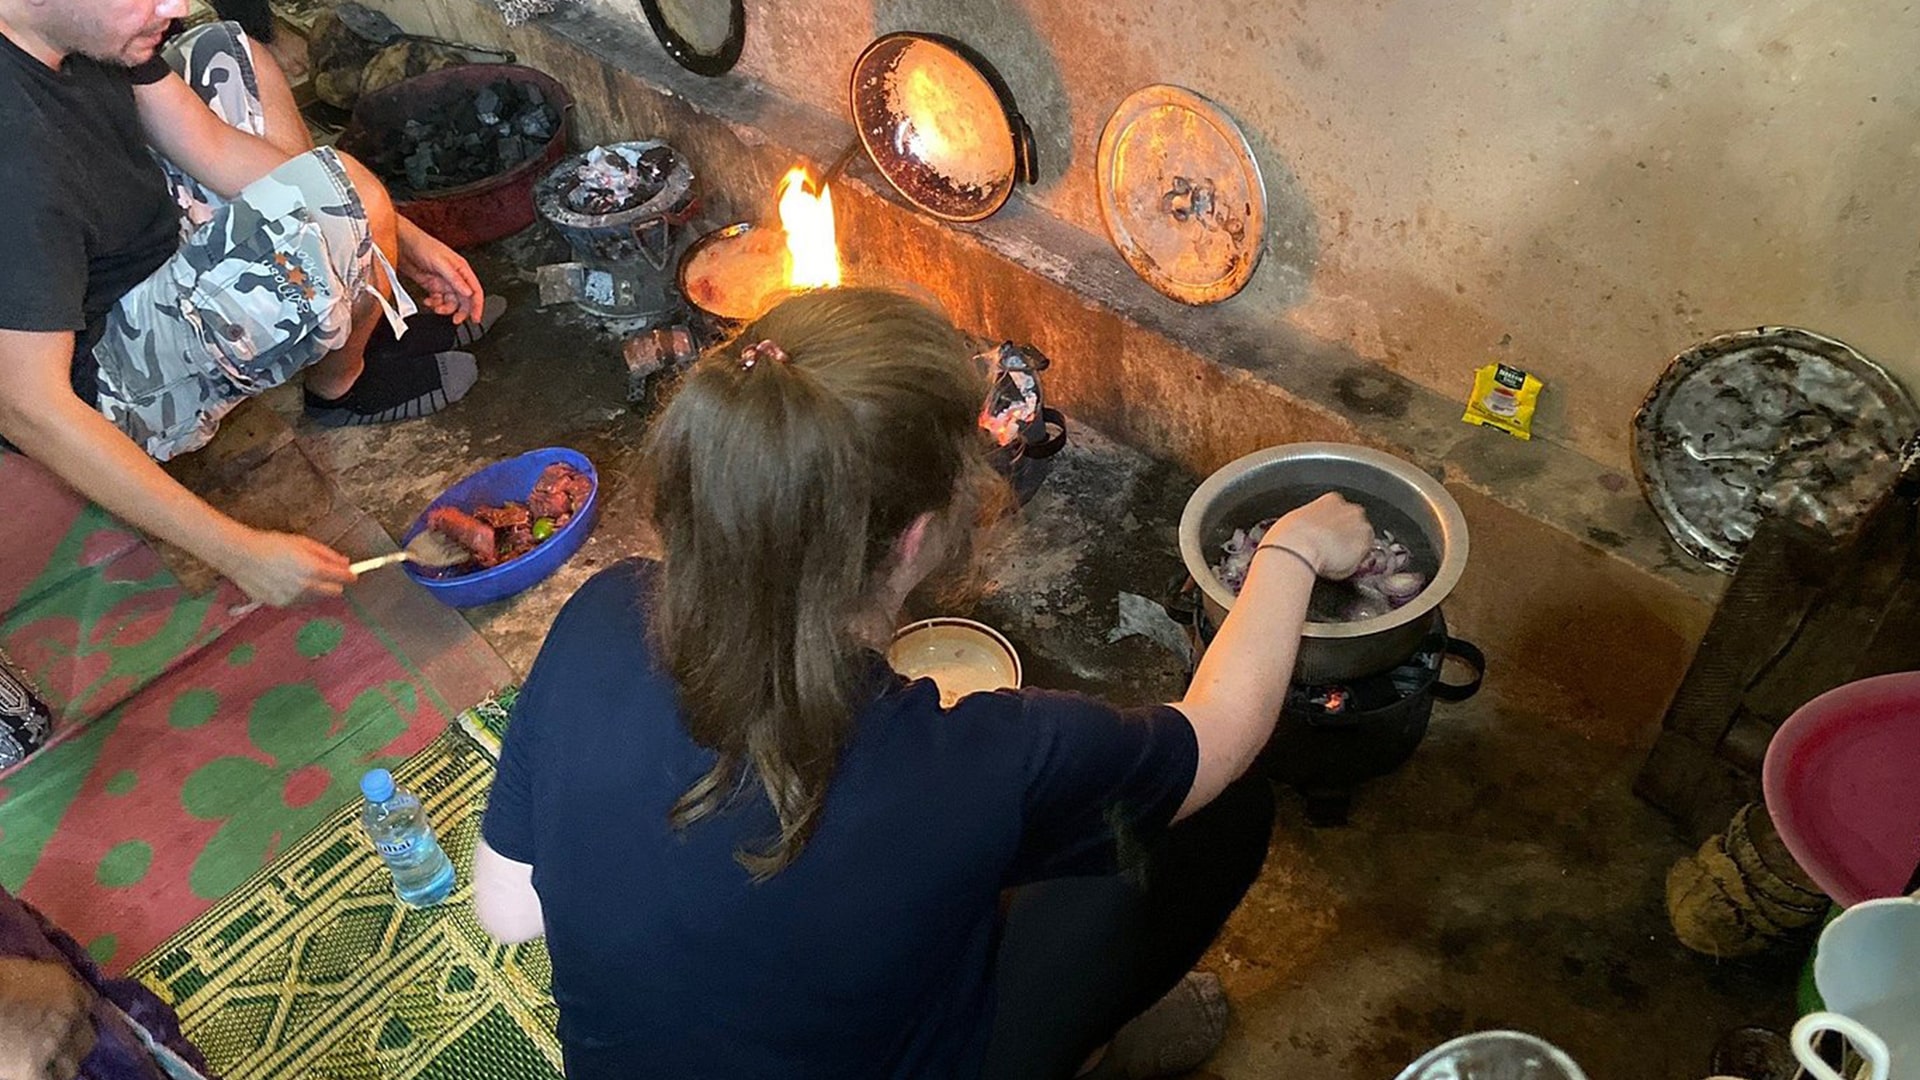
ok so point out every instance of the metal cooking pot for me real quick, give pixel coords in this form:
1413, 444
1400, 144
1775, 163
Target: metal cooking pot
724, 326
1398, 498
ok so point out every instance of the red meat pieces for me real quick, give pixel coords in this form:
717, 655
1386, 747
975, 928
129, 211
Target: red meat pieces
514, 541
496, 534
466, 530
558, 494
504, 517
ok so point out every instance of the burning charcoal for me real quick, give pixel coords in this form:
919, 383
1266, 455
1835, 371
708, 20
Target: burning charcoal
609, 181
602, 181
1013, 409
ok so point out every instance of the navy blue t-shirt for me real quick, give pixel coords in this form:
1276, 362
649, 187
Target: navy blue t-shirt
868, 956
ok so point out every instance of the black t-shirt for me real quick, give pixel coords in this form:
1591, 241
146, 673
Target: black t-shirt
89, 215
870, 955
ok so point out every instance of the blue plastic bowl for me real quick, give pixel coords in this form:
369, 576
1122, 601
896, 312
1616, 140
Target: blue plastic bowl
509, 481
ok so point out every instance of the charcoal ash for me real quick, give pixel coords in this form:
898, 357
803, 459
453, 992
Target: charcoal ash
467, 140
615, 178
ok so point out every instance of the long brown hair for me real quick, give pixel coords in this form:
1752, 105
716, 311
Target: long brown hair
780, 487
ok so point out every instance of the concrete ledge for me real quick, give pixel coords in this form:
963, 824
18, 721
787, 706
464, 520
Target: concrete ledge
1574, 588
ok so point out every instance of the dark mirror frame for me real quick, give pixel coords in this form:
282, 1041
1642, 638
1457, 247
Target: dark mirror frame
713, 64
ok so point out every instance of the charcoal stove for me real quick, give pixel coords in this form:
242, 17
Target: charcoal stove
623, 209
1333, 737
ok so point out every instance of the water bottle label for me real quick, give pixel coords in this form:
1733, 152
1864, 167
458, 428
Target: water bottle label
391, 848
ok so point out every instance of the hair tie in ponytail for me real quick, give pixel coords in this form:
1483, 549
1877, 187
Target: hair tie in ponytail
762, 350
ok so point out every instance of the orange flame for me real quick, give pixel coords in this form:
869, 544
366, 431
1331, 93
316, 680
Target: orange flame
812, 254
1003, 428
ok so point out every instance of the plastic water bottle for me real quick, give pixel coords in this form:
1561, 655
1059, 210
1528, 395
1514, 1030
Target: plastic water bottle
422, 873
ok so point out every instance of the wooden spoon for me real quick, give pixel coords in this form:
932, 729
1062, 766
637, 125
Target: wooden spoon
431, 548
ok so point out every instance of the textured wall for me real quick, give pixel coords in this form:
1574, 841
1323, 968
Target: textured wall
1581, 188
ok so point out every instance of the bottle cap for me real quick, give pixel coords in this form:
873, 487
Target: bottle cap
377, 785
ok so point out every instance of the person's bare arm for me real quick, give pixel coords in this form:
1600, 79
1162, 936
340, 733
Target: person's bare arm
1241, 684
40, 414
181, 128
503, 897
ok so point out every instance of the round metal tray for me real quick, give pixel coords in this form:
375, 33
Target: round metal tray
1769, 421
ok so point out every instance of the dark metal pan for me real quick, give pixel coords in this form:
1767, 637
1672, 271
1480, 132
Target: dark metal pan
690, 32
940, 124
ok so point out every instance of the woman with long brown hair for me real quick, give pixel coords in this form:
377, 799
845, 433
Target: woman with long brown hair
756, 851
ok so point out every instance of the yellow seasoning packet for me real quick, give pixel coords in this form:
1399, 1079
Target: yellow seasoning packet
1503, 397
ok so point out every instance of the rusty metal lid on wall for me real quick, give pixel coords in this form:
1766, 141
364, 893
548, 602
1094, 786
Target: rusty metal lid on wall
1773, 421
1181, 194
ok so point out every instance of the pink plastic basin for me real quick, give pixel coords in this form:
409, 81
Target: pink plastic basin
1842, 782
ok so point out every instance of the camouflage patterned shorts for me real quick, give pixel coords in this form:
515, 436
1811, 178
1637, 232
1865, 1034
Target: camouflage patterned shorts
262, 286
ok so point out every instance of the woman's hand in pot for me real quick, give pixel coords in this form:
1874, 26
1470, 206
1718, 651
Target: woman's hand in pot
1332, 533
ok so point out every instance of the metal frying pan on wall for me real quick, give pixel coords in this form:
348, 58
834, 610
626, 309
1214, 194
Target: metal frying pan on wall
940, 124
703, 36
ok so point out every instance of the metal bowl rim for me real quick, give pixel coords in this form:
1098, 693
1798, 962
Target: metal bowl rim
1453, 529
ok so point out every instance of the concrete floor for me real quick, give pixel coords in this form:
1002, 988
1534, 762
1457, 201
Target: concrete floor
1505, 878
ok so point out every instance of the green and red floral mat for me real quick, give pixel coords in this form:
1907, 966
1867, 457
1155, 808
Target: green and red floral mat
195, 741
